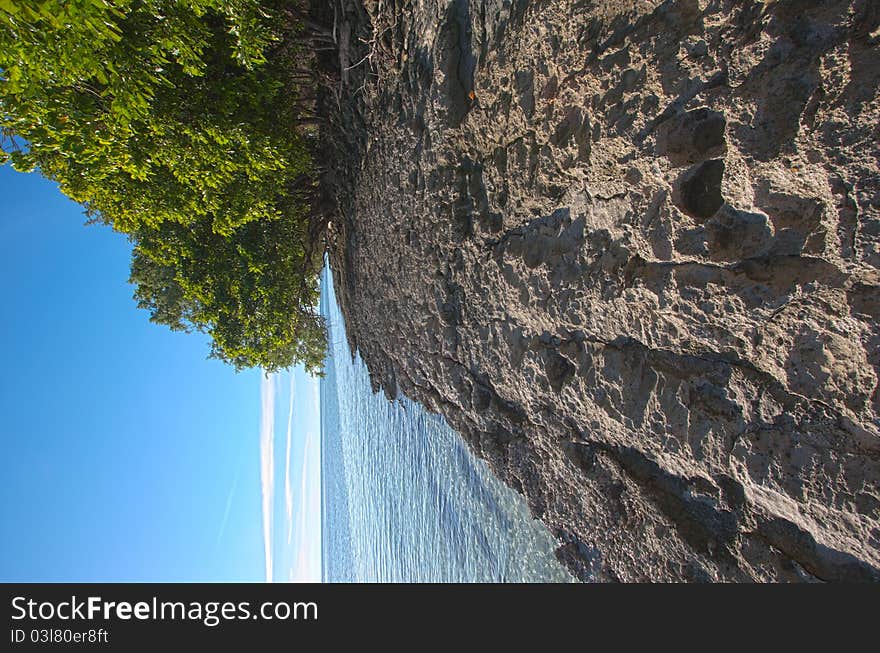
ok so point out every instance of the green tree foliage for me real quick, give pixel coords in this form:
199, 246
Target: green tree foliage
175, 122
189, 275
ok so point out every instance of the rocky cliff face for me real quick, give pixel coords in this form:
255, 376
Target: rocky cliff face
630, 249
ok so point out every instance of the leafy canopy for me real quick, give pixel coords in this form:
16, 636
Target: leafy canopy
172, 120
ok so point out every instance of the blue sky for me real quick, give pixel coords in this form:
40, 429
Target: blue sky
126, 453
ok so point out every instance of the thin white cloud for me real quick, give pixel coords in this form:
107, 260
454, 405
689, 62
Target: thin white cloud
267, 465
288, 492
225, 519
301, 568
307, 563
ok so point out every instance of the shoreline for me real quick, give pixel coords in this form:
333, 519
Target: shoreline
608, 261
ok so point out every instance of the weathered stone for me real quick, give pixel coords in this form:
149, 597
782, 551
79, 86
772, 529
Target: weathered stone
691, 188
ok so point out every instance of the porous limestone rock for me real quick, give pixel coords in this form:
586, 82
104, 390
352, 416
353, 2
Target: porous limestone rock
630, 249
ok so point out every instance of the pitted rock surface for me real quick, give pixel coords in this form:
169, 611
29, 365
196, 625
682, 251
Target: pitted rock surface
630, 249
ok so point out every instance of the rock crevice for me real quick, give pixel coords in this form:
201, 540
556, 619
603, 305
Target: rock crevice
631, 251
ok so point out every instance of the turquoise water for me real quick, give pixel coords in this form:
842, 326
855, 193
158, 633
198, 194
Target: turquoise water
403, 499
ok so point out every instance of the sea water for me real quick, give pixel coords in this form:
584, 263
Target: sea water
403, 498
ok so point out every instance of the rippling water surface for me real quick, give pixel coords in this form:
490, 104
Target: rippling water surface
403, 498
